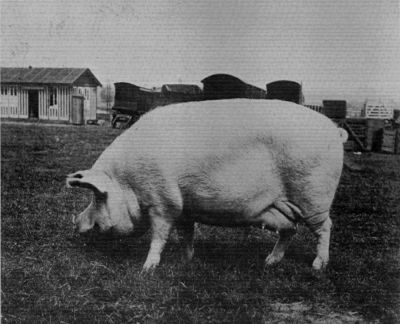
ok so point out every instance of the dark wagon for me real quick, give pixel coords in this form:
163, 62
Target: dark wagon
172, 93
285, 90
225, 86
132, 101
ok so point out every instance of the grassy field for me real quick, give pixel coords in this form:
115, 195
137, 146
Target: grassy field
50, 275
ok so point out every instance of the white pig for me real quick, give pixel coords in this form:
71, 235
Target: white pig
240, 162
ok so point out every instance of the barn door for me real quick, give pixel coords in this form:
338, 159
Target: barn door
33, 103
77, 110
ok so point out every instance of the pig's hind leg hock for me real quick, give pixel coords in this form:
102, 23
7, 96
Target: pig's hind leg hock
323, 233
161, 228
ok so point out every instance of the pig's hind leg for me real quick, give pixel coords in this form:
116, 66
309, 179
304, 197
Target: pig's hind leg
285, 237
323, 233
275, 219
186, 232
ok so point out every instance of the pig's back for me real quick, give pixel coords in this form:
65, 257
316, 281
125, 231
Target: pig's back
175, 134
199, 127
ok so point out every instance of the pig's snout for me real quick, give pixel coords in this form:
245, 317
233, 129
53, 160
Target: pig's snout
82, 224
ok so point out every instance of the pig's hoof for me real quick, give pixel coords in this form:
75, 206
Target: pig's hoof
273, 259
319, 263
147, 270
150, 265
189, 254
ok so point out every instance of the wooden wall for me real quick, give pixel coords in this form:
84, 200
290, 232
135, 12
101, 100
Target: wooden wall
9, 101
90, 101
23, 104
18, 106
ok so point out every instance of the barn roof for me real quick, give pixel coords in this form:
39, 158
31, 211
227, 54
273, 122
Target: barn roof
47, 75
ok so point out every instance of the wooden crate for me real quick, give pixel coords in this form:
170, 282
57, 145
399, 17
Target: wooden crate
357, 130
390, 141
378, 111
374, 134
367, 135
397, 145
351, 146
334, 109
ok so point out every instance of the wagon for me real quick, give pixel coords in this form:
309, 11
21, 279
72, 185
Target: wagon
132, 101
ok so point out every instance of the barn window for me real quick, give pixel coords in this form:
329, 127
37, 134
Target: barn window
53, 96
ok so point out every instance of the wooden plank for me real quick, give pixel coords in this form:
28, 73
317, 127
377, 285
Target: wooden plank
44, 103
93, 102
64, 103
69, 102
397, 143
354, 136
41, 106
23, 108
48, 102
61, 106
64, 114
389, 141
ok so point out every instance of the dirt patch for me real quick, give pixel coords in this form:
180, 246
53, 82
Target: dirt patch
300, 312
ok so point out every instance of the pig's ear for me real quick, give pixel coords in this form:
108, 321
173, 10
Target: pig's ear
96, 181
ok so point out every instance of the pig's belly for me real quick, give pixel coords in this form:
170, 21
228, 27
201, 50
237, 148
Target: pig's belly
231, 196
261, 212
226, 218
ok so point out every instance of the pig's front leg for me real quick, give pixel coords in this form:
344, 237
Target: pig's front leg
186, 233
161, 228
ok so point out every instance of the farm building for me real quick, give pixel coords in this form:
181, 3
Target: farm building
47, 93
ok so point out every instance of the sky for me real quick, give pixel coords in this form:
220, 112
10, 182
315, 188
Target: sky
342, 49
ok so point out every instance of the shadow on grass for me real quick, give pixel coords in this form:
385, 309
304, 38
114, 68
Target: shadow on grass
114, 249
232, 252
